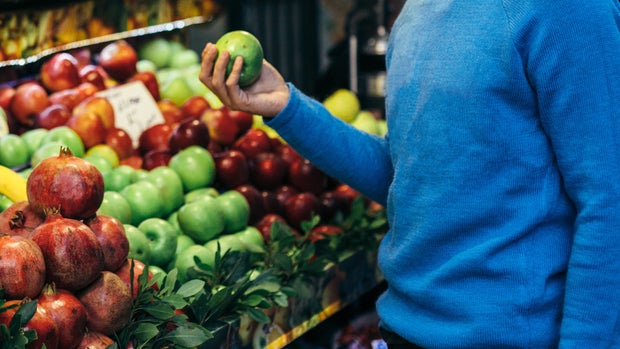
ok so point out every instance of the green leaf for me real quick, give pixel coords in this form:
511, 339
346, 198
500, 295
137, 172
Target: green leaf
253, 300
191, 288
145, 331
258, 316
188, 336
160, 311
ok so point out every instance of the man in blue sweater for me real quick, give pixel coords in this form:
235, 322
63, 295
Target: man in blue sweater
500, 170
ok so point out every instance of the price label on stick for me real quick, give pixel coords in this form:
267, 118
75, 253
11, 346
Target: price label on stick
135, 109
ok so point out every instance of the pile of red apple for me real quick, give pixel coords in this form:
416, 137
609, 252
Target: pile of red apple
56, 250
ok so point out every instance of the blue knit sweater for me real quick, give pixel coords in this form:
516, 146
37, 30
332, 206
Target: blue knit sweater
500, 172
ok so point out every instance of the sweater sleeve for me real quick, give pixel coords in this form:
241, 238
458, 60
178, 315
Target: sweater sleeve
354, 157
572, 64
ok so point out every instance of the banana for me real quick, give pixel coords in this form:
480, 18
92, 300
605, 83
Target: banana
12, 185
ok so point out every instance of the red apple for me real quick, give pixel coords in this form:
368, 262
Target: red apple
284, 192
6, 96
301, 207
189, 132
253, 142
287, 153
265, 223
69, 98
321, 231
92, 74
89, 127
232, 168
305, 176
243, 119
156, 158
83, 57
120, 141
331, 203
87, 89
30, 99
347, 192
60, 72
119, 60
254, 199
135, 161
53, 116
222, 128
149, 80
271, 203
171, 112
101, 107
268, 171
195, 106
156, 137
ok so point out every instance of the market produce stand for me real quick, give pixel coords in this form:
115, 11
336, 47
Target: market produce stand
347, 259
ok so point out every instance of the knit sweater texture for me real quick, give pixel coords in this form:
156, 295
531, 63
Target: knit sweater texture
500, 172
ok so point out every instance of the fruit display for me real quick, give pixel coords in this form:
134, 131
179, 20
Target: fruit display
161, 228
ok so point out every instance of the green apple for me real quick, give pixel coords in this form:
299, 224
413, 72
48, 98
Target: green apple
183, 242
115, 205
143, 65
162, 238
25, 172
201, 220
33, 138
101, 163
227, 243
157, 50
138, 174
170, 187
184, 58
177, 90
139, 247
200, 193
157, 272
382, 127
14, 151
235, 209
5, 202
66, 136
144, 199
186, 261
195, 166
343, 104
172, 219
118, 178
366, 122
244, 44
45, 151
251, 238
106, 152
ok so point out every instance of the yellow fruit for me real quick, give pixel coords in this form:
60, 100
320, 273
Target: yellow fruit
343, 104
12, 185
367, 122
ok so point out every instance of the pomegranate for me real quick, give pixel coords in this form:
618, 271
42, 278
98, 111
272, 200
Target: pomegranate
68, 312
95, 340
111, 235
73, 255
108, 303
67, 182
124, 272
41, 322
22, 267
19, 219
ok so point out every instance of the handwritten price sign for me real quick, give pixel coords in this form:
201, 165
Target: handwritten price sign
135, 109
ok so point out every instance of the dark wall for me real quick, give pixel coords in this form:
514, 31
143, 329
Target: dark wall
288, 31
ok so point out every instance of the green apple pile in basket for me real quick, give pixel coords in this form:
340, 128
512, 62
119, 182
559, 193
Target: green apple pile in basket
210, 216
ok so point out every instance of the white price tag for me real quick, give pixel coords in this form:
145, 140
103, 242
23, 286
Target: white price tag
135, 109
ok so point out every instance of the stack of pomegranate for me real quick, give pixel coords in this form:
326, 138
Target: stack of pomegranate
57, 250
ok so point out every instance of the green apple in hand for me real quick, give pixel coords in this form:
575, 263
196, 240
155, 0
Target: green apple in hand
202, 220
244, 44
162, 237
139, 247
